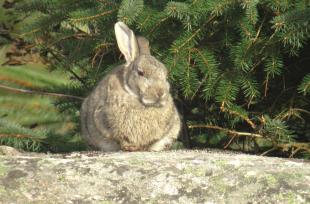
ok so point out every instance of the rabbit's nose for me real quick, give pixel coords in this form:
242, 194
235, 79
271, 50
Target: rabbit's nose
160, 93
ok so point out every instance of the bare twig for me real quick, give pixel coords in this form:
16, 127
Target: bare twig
270, 150
294, 152
25, 91
266, 85
299, 146
230, 141
257, 34
296, 147
231, 132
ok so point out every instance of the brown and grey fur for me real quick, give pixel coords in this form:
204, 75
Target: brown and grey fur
129, 110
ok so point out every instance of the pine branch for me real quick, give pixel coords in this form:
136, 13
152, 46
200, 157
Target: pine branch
104, 2
230, 132
25, 91
192, 36
157, 25
294, 147
226, 92
29, 33
129, 10
74, 36
246, 118
99, 50
286, 114
206, 62
20, 136
221, 55
88, 18
304, 87
68, 68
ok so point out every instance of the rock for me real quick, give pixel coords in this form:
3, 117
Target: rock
150, 177
9, 151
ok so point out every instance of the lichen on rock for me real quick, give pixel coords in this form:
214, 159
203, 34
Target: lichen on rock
153, 177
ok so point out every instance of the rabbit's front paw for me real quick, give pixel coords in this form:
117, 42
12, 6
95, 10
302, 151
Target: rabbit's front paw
131, 148
157, 147
161, 145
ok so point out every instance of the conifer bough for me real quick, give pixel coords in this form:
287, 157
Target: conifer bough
237, 65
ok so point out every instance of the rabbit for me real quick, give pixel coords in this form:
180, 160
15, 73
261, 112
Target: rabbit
131, 108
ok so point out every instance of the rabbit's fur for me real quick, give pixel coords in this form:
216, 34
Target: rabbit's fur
131, 108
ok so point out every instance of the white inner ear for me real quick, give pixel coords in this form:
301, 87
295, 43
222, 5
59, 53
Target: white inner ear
126, 42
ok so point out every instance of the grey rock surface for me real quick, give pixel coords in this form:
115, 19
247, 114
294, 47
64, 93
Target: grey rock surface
10, 151
150, 177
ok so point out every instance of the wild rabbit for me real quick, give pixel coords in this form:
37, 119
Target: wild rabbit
131, 108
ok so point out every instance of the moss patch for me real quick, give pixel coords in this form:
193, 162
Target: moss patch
271, 181
2, 190
3, 170
195, 170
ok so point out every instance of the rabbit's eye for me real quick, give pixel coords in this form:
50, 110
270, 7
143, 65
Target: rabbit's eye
140, 73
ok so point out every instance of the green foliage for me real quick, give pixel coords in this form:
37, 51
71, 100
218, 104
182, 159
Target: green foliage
273, 67
8, 21
130, 10
277, 130
249, 86
236, 67
32, 122
19, 137
304, 87
294, 27
226, 92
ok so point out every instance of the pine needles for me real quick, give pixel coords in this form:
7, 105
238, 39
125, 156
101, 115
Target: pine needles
235, 66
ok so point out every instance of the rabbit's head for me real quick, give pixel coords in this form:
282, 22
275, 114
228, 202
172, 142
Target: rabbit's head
144, 76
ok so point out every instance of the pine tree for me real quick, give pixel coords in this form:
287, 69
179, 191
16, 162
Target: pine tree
238, 68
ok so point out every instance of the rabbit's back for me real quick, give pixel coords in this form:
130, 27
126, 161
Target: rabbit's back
92, 122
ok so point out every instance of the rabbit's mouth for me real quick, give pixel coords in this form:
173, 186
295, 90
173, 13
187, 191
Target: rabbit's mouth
153, 103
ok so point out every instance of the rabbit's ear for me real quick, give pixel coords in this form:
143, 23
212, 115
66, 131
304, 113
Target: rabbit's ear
144, 47
126, 41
